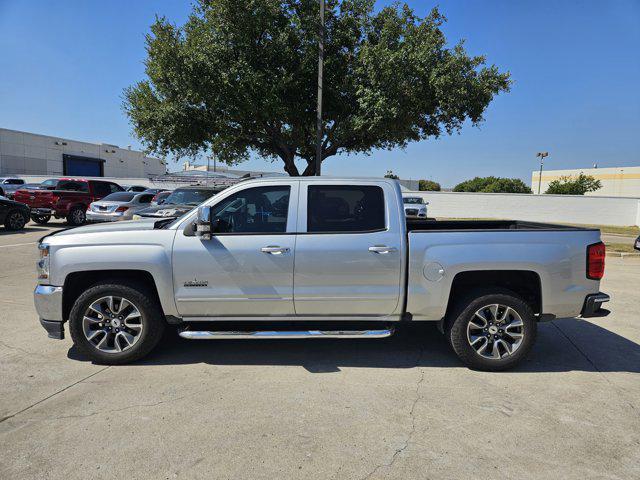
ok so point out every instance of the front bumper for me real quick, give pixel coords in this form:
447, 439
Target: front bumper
593, 305
42, 211
48, 302
104, 217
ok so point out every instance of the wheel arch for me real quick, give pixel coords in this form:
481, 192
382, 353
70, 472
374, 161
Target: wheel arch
524, 283
77, 282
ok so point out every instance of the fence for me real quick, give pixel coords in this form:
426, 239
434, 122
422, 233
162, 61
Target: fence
621, 211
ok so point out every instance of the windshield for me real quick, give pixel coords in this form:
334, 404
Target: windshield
189, 197
119, 197
413, 200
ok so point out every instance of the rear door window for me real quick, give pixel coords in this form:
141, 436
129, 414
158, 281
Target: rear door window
345, 208
72, 186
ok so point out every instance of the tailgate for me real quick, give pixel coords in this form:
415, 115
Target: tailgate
36, 198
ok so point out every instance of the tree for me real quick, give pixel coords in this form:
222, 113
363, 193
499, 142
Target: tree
392, 175
493, 185
241, 77
428, 185
574, 185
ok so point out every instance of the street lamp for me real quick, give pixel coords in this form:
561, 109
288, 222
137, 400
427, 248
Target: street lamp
541, 155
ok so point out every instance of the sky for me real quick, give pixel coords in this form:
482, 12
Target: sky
575, 67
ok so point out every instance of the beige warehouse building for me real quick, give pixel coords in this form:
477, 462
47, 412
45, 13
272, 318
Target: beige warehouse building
616, 181
31, 154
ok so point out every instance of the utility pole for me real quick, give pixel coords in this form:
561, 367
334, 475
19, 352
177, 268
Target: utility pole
208, 160
319, 111
541, 155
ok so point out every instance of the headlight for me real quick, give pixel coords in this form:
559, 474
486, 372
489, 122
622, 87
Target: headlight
43, 263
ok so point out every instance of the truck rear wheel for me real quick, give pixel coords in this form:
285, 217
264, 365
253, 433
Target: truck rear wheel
491, 330
41, 219
77, 216
116, 323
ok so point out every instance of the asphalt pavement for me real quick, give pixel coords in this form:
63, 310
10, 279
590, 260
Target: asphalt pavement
399, 408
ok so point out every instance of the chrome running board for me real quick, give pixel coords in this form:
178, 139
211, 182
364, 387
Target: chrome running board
284, 334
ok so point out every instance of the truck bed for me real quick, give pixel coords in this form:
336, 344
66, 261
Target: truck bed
555, 256
484, 225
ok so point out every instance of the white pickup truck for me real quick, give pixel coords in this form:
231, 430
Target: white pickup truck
315, 257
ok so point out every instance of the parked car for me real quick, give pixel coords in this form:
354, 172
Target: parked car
226, 270
160, 197
8, 185
68, 199
118, 206
415, 207
156, 190
134, 188
180, 201
13, 215
636, 245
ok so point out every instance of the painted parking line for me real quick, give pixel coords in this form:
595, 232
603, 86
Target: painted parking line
18, 244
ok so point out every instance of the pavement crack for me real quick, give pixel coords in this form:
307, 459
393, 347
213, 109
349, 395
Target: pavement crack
17, 349
409, 436
138, 405
52, 395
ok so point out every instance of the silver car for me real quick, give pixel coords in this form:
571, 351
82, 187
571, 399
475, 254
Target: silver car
118, 206
415, 207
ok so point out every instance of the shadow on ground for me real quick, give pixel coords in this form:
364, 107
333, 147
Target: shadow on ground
562, 345
30, 229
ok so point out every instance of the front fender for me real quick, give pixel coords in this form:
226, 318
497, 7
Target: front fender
152, 258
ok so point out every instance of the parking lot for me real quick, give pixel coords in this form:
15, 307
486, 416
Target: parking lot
402, 407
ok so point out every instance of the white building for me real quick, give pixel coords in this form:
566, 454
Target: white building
30, 154
616, 181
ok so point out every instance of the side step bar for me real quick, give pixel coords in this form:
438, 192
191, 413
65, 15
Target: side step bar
284, 334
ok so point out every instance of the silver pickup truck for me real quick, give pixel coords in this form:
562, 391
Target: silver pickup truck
315, 257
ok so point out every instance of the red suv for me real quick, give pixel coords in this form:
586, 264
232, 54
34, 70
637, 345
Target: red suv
68, 199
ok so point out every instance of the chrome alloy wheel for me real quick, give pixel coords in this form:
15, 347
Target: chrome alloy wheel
77, 216
495, 331
112, 324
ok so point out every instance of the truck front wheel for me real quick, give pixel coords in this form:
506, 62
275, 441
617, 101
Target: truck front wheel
114, 323
491, 330
41, 219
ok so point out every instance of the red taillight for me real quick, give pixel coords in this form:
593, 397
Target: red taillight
122, 209
595, 261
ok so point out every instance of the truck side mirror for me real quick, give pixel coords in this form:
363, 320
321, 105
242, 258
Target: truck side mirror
203, 223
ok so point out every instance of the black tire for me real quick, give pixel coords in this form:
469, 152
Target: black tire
15, 220
464, 311
41, 219
142, 297
77, 216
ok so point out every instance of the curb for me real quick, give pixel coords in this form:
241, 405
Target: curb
623, 255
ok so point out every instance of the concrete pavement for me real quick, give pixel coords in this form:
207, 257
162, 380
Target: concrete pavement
402, 407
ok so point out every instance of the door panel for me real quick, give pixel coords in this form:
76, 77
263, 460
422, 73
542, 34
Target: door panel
348, 256
230, 275
246, 268
336, 274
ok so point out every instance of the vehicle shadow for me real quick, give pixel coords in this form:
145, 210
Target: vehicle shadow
563, 345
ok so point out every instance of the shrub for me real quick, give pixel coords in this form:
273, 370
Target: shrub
574, 185
493, 185
428, 185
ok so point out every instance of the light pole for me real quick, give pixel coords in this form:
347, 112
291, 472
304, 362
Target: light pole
319, 111
541, 155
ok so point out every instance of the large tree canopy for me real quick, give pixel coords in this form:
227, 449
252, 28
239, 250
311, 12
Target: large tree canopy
241, 77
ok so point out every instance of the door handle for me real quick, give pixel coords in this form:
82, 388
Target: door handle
274, 250
381, 249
